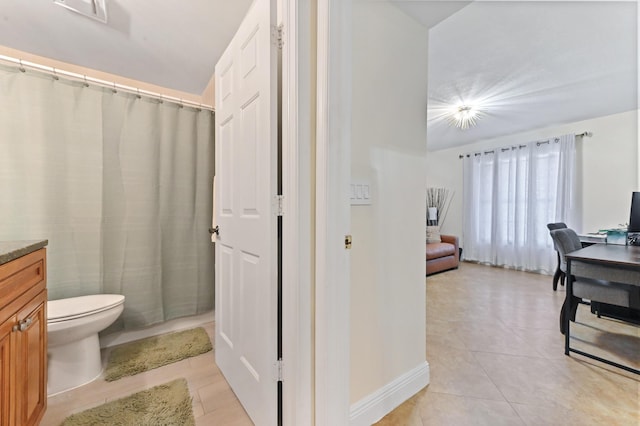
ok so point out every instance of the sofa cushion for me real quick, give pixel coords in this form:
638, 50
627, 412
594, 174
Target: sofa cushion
433, 234
437, 250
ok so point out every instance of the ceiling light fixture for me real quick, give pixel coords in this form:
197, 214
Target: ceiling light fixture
95, 9
465, 116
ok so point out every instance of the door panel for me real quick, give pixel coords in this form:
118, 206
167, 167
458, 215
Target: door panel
224, 294
250, 318
250, 159
35, 353
225, 147
246, 184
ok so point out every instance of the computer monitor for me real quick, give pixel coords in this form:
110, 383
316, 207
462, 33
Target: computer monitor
633, 230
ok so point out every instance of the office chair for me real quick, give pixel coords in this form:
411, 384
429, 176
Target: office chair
560, 273
613, 293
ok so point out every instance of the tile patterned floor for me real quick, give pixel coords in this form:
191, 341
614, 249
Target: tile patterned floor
496, 357
495, 353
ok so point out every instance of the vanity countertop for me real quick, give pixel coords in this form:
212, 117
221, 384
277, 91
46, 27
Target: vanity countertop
10, 250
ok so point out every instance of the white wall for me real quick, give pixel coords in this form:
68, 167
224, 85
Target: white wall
388, 150
607, 169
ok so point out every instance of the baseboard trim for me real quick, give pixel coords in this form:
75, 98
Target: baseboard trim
178, 324
380, 403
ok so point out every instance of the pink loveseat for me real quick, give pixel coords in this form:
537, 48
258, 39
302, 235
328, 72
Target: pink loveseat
443, 256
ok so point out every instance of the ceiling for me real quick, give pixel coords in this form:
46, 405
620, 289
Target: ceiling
530, 64
166, 43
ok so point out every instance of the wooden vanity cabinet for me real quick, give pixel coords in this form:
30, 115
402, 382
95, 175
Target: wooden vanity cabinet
23, 340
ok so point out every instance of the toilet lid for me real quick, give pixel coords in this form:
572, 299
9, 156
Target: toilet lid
76, 307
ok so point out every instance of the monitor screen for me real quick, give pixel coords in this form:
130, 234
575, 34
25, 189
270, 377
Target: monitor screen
634, 219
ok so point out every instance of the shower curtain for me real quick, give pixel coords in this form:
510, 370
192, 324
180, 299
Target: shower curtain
119, 184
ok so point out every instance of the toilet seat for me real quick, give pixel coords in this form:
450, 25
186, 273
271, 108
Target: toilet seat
82, 306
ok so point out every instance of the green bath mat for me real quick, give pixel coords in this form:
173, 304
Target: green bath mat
168, 404
154, 352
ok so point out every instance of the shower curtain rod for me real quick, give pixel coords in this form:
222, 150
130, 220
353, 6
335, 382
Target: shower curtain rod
56, 73
538, 143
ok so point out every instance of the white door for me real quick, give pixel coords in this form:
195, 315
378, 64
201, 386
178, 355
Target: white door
246, 184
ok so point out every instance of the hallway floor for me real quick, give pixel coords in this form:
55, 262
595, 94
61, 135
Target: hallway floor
496, 357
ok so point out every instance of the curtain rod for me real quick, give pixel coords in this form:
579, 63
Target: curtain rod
56, 73
538, 143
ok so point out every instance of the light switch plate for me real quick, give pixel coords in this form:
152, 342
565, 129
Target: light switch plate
361, 193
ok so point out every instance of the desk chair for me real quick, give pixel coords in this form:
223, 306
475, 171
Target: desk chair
560, 273
613, 293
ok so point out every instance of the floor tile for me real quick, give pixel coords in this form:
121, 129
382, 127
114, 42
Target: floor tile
444, 409
216, 396
496, 356
457, 372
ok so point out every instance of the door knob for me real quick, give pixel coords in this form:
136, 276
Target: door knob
215, 230
24, 324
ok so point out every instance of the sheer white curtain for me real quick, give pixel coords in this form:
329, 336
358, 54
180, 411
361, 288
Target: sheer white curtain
510, 195
119, 185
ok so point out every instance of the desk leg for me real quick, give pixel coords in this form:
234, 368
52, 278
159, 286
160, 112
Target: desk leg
567, 307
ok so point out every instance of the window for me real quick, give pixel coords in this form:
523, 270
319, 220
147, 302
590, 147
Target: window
510, 195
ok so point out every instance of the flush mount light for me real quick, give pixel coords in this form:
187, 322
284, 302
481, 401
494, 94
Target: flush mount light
465, 116
95, 9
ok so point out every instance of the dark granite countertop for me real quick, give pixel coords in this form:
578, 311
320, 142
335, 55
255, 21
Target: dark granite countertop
10, 250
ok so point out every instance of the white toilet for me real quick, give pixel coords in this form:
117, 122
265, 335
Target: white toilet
73, 346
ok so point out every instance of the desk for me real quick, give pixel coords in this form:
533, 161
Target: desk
605, 262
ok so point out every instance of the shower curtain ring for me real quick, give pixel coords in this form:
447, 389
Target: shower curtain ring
21, 67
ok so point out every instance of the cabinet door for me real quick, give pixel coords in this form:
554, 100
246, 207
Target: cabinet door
7, 394
31, 361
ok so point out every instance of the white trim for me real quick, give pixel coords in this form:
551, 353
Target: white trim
296, 266
333, 215
380, 403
